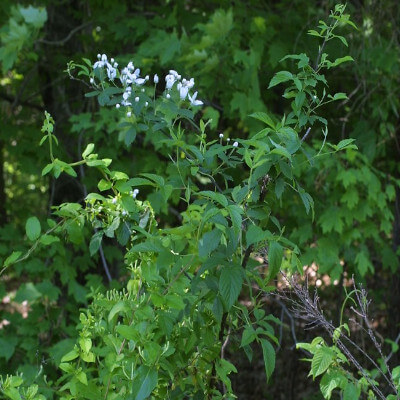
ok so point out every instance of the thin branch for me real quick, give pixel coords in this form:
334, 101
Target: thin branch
68, 37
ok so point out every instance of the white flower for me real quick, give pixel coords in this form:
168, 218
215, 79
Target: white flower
135, 193
117, 105
228, 140
137, 99
183, 92
91, 80
115, 65
123, 213
235, 144
104, 58
146, 104
221, 135
168, 96
128, 114
98, 56
111, 72
130, 66
155, 79
112, 60
193, 100
114, 201
170, 80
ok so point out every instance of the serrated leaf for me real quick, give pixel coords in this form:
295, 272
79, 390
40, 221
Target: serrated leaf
323, 358
263, 117
330, 381
275, 256
32, 228
230, 284
209, 242
269, 357
95, 243
280, 77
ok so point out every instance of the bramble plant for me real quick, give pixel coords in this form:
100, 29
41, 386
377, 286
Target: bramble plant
164, 335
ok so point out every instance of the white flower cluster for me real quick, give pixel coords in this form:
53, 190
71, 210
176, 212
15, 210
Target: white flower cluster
131, 80
235, 144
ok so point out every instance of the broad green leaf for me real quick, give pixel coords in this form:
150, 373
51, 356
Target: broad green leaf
323, 358
255, 234
32, 228
331, 380
48, 239
269, 357
230, 284
281, 76
128, 332
217, 197
72, 355
209, 242
34, 16
144, 382
275, 256
95, 242
117, 308
261, 116
351, 392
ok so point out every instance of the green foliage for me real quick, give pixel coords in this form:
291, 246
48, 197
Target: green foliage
215, 219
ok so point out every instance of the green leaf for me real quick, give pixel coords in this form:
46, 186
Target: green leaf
12, 258
144, 382
7, 347
117, 308
275, 255
230, 284
89, 149
47, 169
128, 332
217, 197
48, 239
255, 234
281, 76
34, 16
104, 185
27, 292
263, 117
72, 355
351, 392
331, 380
95, 242
32, 228
248, 336
323, 358
269, 357
209, 242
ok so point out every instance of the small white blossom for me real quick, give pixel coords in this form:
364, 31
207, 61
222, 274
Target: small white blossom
123, 213
112, 60
114, 201
168, 96
98, 56
155, 79
235, 144
135, 193
142, 90
115, 65
146, 104
128, 114
193, 100
104, 58
91, 80
117, 105
228, 140
137, 99
221, 135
